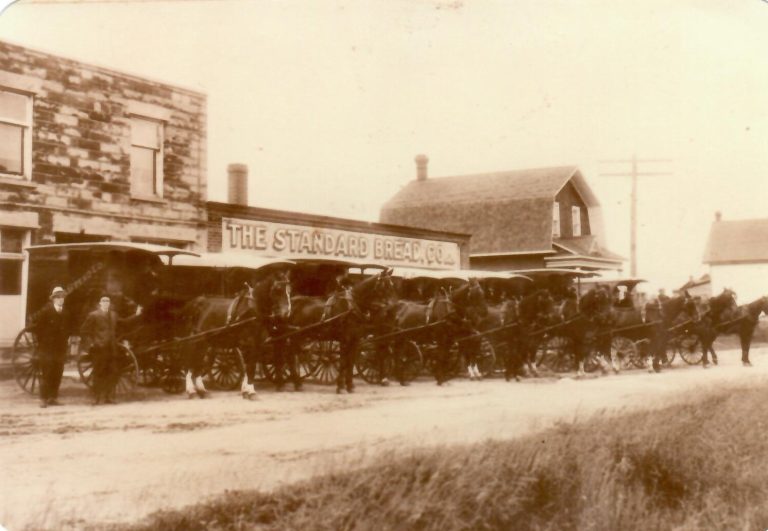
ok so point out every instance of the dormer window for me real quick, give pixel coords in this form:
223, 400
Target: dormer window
576, 220
556, 220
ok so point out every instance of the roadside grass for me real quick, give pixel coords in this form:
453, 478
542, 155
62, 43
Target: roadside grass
701, 465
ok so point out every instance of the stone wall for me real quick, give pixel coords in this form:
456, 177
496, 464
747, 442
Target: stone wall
81, 140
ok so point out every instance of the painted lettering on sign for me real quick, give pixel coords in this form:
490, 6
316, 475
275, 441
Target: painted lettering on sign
296, 241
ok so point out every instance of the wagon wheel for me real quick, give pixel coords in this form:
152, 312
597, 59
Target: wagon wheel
689, 348
555, 353
306, 364
170, 371
408, 360
26, 367
641, 350
431, 351
323, 359
625, 351
369, 366
128, 369
487, 359
226, 369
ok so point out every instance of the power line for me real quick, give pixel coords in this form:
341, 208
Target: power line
633, 174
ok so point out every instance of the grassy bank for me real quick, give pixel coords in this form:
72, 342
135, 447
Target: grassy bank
696, 466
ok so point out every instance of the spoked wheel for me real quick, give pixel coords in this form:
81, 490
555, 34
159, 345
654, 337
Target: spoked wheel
374, 362
432, 355
409, 361
226, 369
26, 367
170, 371
324, 356
625, 351
305, 364
642, 347
555, 353
689, 348
128, 368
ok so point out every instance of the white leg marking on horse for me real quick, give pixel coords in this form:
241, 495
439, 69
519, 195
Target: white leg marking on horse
189, 384
199, 385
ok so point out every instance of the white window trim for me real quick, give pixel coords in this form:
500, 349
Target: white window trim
556, 232
576, 220
159, 184
27, 124
26, 241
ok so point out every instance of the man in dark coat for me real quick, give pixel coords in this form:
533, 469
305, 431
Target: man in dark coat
99, 332
52, 327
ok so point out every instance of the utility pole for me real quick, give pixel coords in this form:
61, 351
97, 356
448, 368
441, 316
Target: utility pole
633, 174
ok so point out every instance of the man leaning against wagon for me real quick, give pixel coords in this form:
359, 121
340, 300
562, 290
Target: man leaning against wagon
99, 333
52, 327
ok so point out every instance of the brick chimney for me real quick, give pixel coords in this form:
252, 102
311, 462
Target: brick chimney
238, 184
718, 215
421, 167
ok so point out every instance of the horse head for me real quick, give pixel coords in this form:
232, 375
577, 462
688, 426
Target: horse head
469, 300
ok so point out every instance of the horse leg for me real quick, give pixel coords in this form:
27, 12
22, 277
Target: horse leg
746, 339
250, 356
706, 347
352, 350
293, 368
197, 371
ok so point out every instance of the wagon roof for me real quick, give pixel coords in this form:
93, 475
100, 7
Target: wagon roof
457, 274
157, 250
552, 271
629, 283
230, 260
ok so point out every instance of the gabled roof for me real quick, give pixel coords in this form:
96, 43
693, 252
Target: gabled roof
586, 246
737, 241
519, 201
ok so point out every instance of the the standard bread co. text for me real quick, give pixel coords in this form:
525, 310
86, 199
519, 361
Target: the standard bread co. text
301, 241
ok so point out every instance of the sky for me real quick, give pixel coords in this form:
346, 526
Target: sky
328, 101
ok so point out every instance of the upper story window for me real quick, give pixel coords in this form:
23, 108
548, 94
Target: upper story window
576, 220
556, 220
11, 259
15, 134
146, 158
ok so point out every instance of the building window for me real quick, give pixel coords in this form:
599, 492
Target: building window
15, 133
556, 220
11, 260
146, 158
576, 220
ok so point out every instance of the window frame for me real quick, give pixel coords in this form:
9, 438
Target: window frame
576, 220
556, 228
17, 258
157, 153
26, 138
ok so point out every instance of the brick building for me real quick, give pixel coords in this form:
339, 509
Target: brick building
521, 219
91, 154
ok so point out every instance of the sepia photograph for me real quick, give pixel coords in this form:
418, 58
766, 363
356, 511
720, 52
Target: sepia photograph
383, 265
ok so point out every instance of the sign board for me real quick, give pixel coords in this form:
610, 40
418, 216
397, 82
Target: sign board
301, 241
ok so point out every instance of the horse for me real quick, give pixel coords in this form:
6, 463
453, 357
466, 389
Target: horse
268, 300
584, 320
456, 312
532, 313
742, 321
348, 311
703, 318
661, 317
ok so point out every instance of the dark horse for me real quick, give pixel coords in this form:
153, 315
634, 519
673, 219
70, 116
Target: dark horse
662, 317
583, 321
704, 318
531, 314
727, 318
454, 315
348, 312
268, 302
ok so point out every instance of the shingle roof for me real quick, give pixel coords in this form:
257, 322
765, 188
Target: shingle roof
519, 201
737, 241
587, 246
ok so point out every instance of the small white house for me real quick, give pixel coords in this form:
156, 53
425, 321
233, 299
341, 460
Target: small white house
737, 255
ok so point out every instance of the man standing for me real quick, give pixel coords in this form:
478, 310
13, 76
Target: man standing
52, 329
99, 334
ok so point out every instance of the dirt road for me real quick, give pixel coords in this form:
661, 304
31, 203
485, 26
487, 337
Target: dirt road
63, 466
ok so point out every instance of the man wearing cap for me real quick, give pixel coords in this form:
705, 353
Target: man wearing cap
52, 327
99, 333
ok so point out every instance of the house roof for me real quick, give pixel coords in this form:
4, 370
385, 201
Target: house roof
737, 241
480, 204
586, 246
